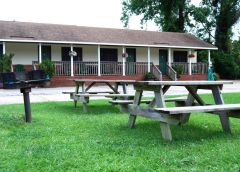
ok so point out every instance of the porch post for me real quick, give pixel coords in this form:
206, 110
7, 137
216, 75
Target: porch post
169, 57
4, 48
39, 53
72, 74
99, 63
124, 61
209, 59
149, 59
189, 63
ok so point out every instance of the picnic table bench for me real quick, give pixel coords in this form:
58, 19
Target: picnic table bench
179, 115
85, 93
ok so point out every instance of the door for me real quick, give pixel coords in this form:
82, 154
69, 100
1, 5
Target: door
109, 58
163, 57
131, 65
46, 52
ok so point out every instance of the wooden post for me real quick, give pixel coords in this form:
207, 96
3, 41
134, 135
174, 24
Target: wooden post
189, 64
137, 100
72, 74
39, 53
99, 62
222, 115
4, 48
124, 61
149, 59
169, 57
209, 59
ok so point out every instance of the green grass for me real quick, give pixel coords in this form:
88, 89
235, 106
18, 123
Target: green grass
62, 138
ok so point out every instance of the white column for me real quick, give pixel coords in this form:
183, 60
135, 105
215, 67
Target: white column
149, 59
189, 63
124, 61
39, 53
72, 74
209, 59
4, 48
169, 57
99, 62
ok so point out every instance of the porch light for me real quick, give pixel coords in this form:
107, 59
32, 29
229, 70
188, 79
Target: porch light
125, 55
191, 55
72, 53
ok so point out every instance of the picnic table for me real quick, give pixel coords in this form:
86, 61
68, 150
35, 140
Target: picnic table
178, 115
82, 91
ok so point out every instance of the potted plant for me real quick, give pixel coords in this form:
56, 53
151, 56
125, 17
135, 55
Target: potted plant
179, 70
48, 67
149, 76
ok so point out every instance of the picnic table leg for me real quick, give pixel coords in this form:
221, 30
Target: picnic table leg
165, 127
137, 100
224, 119
27, 105
76, 92
190, 99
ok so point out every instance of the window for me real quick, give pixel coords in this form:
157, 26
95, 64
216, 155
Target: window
46, 52
109, 54
66, 57
1, 49
180, 56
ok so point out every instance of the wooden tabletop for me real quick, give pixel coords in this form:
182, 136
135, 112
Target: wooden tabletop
185, 83
101, 80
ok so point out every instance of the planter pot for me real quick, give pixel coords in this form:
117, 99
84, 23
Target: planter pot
46, 84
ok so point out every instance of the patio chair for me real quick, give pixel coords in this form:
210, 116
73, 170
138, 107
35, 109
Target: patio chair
36, 74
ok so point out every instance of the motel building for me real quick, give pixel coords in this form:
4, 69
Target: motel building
103, 53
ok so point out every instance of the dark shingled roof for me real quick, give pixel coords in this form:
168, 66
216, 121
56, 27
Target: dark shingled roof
12, 30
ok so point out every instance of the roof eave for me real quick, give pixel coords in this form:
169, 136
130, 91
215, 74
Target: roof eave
107, 44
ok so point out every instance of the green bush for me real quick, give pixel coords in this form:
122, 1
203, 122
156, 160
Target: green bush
48, 67
226, 66
149, 76
179, 69
6, 62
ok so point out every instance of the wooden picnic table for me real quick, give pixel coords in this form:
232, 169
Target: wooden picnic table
177, 115
82, 91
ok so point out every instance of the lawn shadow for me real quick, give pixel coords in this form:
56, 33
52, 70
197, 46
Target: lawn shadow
182, 133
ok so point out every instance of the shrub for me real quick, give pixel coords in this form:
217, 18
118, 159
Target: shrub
149, 76
6, 62
179, 69
48, 67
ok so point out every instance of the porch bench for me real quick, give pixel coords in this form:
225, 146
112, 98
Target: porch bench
233, 109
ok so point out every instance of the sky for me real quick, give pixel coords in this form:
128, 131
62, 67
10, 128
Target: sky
98, 13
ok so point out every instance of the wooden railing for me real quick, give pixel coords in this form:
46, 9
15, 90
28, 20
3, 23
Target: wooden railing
196, 68
171, 73
85, 68
156, 72
136, 68
199, 68
111, 68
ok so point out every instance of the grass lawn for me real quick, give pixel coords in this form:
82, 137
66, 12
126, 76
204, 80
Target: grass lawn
62, 138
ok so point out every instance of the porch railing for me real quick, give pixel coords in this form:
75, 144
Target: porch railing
85, 68
156, 72
199, 68
111, 68
136, 68
196, 68
171, 73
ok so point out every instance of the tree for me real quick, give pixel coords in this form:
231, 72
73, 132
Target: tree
170, 15
219, 16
